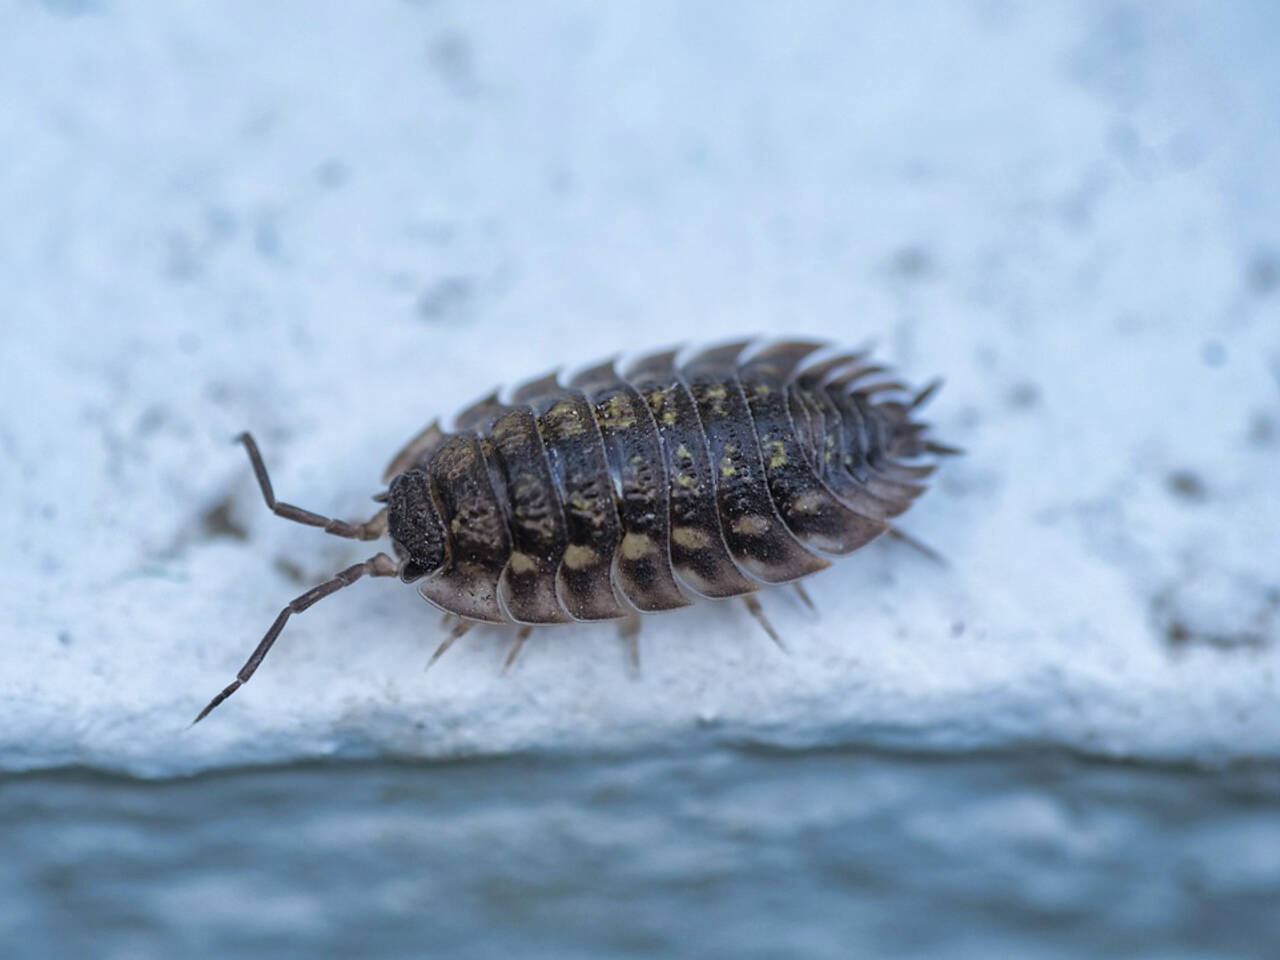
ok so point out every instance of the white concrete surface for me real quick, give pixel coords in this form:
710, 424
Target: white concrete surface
330, 222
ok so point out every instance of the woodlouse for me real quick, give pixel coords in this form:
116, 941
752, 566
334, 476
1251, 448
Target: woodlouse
615, 493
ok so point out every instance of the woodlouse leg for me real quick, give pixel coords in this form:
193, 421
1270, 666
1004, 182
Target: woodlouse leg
371, 530
803, 594
903, 537
926, 394
629, 631
753, 606
521, 636
459, 629
379, 565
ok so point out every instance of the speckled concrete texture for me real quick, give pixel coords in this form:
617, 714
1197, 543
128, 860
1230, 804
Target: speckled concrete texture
330, 222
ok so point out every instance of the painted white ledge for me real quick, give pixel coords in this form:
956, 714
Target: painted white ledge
333, 243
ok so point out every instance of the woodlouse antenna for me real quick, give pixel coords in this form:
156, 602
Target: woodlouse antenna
371, 530
379, 565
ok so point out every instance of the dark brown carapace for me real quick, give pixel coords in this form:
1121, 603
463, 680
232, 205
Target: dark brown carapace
617, 493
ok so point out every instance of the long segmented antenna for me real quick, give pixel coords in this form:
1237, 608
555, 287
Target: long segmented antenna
371, 530
379, 565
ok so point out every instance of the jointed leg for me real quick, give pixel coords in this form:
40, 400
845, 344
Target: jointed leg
459, 629
753, 606
926, 394
371, 530
803, 594
904, 537
521, 636
629, 631
379, 565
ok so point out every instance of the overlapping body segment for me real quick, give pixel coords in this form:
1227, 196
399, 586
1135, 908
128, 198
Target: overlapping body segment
641, 568
643, 490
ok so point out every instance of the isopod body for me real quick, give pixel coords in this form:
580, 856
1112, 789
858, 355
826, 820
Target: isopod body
642, 489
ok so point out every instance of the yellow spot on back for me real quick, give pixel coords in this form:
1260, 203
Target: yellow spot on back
684, 480
683, 452
615, 413
636, 545
691, 538
810, 502
566, 419
582, 504
522, 563
504, 427
751, 526
778, 457
578, 557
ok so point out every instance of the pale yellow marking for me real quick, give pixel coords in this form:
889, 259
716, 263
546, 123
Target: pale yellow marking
779, 456
504, 427
669, 417
615, 413
566, 417
718, 392
686, 481
691, 538
523, 563
810, 502
751, 526
636, 545
582, 504
683, 452
578, 557
727, 469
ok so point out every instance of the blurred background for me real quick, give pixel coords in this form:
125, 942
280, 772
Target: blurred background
329, 223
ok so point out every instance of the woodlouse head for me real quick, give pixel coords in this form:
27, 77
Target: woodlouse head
417, 531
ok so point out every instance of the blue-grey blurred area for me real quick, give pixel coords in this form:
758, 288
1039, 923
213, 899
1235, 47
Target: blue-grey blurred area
693, 853
330, 222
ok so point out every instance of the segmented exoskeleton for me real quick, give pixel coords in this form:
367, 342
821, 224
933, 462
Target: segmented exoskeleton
641, 490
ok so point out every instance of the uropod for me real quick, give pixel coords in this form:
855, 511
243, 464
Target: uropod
617, 493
